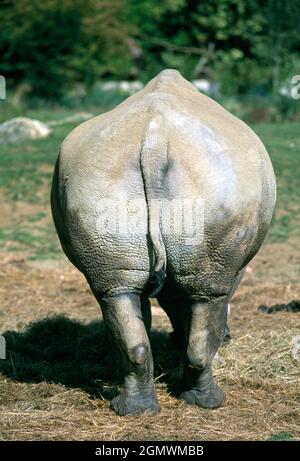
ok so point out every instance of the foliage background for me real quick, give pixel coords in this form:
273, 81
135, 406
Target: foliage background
250, 47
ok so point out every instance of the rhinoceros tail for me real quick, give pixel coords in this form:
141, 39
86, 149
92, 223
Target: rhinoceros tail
154, 164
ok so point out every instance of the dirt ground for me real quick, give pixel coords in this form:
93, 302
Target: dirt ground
60, 371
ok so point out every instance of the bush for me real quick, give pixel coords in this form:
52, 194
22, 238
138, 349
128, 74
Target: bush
53, 44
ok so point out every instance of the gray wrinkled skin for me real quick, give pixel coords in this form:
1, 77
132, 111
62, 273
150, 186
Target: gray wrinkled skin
167, 142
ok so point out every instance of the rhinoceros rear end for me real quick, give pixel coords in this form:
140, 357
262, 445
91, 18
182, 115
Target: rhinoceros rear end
167, 195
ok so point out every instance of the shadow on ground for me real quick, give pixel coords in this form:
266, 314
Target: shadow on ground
65, 351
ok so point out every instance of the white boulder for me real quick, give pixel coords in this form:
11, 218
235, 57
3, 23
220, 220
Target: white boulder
129, 87
22, 128
76, 118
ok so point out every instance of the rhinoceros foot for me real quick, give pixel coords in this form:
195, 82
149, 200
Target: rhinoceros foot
212, 397
126, 405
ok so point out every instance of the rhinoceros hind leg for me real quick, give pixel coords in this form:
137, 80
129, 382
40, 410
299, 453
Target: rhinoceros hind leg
206, 394
206, 333
126, 405
123, 316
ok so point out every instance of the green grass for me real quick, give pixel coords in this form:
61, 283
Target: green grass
37, 217
40, 242
25, 176
22, 166
26, 172
283, 144
280, 436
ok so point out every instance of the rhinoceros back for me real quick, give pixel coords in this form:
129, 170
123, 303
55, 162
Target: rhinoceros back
167, 143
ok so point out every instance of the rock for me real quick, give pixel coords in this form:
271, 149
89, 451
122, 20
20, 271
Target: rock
22, 128
76, 118
211, 88
124, 85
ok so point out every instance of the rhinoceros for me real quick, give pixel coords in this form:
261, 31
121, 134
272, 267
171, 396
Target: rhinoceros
168, 195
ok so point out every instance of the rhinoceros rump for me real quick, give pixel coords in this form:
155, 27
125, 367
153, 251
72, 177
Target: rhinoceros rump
167, 195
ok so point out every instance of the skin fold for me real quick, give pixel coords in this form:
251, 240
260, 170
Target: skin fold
167, 195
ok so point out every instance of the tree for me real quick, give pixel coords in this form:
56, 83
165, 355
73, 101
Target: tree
53, 43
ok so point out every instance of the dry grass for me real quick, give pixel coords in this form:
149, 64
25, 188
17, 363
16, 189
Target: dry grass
60, 371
